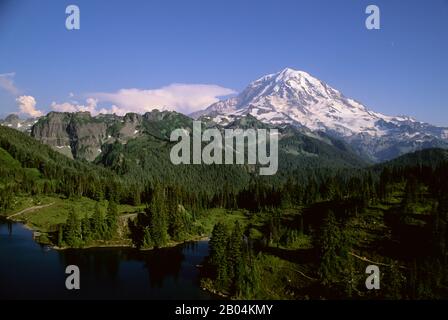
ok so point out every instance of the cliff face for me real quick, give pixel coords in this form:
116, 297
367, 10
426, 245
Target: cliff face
52, 130
130, 127
81, 136
87, 135
77, 135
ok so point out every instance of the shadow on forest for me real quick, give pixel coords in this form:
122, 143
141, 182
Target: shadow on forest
302, 256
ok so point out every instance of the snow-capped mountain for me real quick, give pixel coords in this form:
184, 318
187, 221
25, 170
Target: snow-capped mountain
297, 98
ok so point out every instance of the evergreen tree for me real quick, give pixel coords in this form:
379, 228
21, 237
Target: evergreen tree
61, 235
218, 255
73, 232
112, 219
86, 229
177, 227
333, 251
158, 218
147, 239
234, 255
97, 223
5, 198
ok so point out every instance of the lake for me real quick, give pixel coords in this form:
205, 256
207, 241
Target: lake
31, 271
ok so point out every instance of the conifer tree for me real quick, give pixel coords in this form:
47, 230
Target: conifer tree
158, 218
61, 235
86, 229
147, 239
333, 249
97, 223
234, 254
218, 256
112, 219
73, 232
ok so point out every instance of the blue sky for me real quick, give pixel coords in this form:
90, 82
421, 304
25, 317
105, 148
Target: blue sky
129, 50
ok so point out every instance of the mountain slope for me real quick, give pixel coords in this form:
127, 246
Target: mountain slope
297, 98
30, 166
13, 121
81, 136
146, 157
422, 158
110, 140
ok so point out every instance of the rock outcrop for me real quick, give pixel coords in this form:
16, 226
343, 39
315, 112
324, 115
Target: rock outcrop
77, 135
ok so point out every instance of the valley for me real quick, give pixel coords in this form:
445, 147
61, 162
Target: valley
310, 243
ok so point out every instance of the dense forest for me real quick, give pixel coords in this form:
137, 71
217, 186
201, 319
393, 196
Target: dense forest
396, 214
307, 233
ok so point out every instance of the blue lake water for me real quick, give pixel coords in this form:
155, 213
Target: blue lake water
31, 271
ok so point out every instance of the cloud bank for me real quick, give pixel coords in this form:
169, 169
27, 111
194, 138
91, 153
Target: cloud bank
184, 98
89, 106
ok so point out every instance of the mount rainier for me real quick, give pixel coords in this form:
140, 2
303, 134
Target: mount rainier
296, 98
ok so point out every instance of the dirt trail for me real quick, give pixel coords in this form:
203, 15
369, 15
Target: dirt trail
30, 209
374, 262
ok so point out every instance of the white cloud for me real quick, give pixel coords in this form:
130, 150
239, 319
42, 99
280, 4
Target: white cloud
7, 83
185, 98
73, 106
114, 109
64, 107
27, 106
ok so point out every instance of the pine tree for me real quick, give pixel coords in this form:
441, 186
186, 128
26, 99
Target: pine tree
234, 255
250, 277
86, 229
176, 225
158, 218
97, 223
333, 249
147, 239
112, 219
61, 236
218, 255
73, 233
5, 198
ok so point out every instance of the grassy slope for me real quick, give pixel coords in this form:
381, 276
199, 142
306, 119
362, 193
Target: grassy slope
7, 161
46, 219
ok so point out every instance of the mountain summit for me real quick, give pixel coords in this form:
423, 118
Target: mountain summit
296, 98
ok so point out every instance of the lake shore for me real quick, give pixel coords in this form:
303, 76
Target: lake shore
117, 243
96, 246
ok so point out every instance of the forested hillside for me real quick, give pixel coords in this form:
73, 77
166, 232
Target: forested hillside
316, 248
